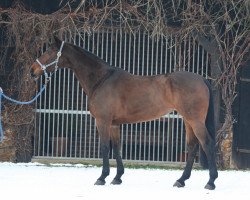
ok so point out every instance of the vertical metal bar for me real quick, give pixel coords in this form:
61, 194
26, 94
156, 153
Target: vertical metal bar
126, 134
158, 140
171, 54
102, 48
131, 141
54, 143
134, 71
111, 47
207, 64
39, 121
143, 53
172, 139
149, 139
177, 139
140, 141
63, 114
156, 54
44, 123
90, 135
168, 139
154, 140
35, 127
107, 47
163, 138
175, 53
79, 92
76, 123
72, 115
179, 45
189, 53
97, 42
44, 118
193, 55
142, 73
81, 126
67, 107
145, 140
184, 53
58, 107
85, 132
129, 55
166, 57
135, 143
120, 56
181, 141
152, 57
147, 71
202, 62
48, 128
116, 42
198, 60
125, 52
161, 56
93, 43
98, 153
134, 55
94, 156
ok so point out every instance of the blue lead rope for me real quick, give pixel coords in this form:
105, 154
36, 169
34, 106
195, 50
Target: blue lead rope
16, 102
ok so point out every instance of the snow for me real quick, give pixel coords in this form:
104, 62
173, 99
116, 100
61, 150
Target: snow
37, 181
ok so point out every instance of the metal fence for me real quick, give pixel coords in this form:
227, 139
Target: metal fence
64, 126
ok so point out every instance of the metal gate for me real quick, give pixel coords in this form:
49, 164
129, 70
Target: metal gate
64, 127
241, 136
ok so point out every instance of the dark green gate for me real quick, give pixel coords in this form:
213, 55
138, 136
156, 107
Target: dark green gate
241, 140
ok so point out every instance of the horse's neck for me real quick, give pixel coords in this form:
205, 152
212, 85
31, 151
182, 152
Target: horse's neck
88, 70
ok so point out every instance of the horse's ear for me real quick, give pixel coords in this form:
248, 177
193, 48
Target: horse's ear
57, 41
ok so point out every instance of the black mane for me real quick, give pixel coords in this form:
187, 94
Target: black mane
89, 54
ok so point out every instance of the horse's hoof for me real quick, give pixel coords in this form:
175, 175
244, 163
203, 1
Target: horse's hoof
210, 186
100, 182
116, 181
179, 184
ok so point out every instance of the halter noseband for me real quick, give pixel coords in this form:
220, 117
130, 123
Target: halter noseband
44, 67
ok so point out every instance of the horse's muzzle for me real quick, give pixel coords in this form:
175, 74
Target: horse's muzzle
33, 75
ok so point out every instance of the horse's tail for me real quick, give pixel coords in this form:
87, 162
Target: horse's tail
210, 124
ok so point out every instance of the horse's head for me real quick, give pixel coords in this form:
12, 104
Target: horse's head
49, 60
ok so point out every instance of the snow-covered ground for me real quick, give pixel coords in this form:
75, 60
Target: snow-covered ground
37, 181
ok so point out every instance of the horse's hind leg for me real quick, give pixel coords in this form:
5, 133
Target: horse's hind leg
115, 137
208, 145
193, 146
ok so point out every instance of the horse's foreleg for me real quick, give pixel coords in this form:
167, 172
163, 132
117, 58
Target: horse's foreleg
104, 131
193, 147
115, 137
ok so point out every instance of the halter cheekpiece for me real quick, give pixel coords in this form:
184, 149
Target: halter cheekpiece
44, 67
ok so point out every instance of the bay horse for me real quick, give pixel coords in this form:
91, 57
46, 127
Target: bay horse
117, 97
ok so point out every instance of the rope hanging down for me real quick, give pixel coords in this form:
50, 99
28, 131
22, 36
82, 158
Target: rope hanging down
2, 95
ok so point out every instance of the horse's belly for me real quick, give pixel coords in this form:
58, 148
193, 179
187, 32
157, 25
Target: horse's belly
140, 116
